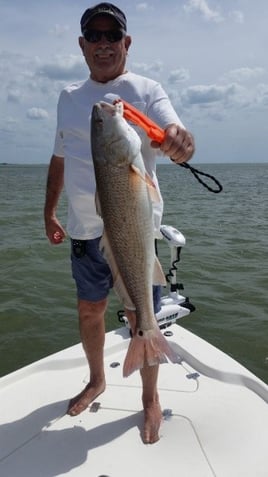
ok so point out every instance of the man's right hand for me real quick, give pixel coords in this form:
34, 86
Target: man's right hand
55, 232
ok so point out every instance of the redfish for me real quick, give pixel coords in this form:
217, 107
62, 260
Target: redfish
124, 195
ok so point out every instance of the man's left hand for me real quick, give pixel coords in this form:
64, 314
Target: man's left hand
178, 144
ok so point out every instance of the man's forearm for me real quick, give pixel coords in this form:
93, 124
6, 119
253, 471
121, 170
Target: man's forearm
54, 185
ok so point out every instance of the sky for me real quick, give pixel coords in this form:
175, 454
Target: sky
209, 55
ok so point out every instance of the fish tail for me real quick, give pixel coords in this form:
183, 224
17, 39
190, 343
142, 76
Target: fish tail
148, 347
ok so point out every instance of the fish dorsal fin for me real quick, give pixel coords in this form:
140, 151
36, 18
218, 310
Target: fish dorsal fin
153, 191
158, 274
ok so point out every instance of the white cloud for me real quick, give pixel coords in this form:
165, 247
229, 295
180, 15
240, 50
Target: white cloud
37, 113
67, 67
202, 94
178, 76
245, 74
219, 102
148, 68
201, 6
22, 81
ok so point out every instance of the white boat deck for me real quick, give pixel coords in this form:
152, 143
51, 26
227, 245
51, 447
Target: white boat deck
216, 423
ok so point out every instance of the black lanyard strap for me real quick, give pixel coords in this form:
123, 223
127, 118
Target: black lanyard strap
198, 173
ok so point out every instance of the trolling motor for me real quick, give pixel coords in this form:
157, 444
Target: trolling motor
174, 305
176, 241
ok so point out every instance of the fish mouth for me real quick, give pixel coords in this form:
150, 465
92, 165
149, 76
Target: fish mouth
96, 115
100, 112
101, 109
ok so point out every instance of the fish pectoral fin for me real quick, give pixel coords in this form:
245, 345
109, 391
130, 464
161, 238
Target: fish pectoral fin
153, 191
118, 282
158, 274
137, 171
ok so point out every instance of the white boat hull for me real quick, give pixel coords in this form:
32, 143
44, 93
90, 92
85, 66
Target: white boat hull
216, 417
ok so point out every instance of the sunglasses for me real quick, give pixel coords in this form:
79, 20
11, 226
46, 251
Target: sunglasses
93, 36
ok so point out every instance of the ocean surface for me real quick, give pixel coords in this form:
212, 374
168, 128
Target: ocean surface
224, 265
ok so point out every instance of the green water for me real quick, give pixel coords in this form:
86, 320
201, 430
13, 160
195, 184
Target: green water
224, 266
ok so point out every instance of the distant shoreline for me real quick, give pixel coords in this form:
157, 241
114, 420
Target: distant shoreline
13, 164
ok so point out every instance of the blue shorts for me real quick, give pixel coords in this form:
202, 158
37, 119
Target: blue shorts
92, 274
90, 270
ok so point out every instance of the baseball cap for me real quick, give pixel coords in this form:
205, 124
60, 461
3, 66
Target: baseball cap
103, 9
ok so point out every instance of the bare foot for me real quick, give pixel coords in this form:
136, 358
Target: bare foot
80, 402
152, 422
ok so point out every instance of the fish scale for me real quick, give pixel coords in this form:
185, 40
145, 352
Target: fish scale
128, 238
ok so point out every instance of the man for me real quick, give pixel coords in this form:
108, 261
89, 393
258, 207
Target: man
104, 43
